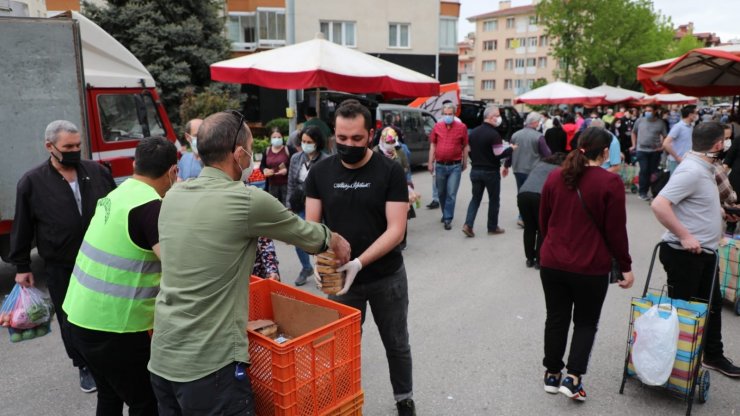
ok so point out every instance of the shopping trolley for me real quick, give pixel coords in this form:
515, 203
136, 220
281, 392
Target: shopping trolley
687, 375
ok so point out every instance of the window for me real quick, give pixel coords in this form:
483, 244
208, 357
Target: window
530, 84
509, 64
533, 20
271, 26
510, 22
448, 34
521, 42
518, 84
544, 41
520, 63
490, 45
488, 84
490, 25
489, 66
341, 33
531, 62
507, 101
542, 62
398, 35
532, 42
242, 30
510, 42
507, 84
121, 120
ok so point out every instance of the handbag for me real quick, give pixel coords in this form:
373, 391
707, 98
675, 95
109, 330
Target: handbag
615, 274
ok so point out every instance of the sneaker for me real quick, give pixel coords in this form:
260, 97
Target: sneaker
575, 392
406, 407
723, 365
433, 205
536, 264
301, 280
468, 231
530, 263
552, 382
520, 223
447, 225
644, 197
87, 382
497, 231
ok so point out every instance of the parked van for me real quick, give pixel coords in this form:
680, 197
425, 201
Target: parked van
416, 125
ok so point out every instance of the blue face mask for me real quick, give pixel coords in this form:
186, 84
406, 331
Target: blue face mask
276, 141
308, 148
648, 114
448, 119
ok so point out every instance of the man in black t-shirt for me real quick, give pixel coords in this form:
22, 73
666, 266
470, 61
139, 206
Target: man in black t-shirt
363, 196
486, 152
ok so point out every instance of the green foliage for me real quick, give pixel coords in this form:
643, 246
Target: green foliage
281, 123
176, 40
603, 41
260, 144
201, 105
683, 45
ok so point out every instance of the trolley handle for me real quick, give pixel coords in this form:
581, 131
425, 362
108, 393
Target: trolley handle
705, 249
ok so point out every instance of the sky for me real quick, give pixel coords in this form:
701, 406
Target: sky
718, 16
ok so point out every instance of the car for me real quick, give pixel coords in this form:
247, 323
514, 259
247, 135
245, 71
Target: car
416, 125
471, 113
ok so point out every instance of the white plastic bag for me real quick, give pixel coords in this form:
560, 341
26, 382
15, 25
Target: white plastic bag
655, 345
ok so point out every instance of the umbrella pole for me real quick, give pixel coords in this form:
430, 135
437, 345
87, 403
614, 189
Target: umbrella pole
318, 104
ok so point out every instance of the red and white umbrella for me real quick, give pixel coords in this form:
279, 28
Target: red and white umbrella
318, 63
705, 72
659, 99
561, 93
648, 74
616, 95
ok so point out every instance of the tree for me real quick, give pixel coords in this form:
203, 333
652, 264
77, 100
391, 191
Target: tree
687, 43
603, 41
176, 40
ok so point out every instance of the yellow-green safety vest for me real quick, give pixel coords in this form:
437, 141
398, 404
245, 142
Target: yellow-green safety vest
114, 282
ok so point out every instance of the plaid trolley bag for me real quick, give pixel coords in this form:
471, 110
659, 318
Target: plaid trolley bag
729, 272
687, 376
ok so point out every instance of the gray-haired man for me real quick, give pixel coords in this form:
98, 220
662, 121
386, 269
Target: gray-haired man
54, 204
531, 147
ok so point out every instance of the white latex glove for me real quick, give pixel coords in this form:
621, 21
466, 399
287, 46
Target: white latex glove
350, 269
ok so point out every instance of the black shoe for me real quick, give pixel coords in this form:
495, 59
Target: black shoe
570, 389
433, 205
406, 407
301, 280
723, 365
468, 231
530, 263
536, 264
448, 226
552, 382
87, 382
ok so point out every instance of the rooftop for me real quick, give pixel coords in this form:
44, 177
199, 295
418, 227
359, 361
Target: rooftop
505, 12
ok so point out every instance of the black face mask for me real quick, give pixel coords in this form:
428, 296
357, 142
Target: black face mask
68, 158
350, 154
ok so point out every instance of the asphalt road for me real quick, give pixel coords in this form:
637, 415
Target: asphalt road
476, 322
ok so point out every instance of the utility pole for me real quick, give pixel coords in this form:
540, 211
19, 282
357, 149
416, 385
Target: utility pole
290, 34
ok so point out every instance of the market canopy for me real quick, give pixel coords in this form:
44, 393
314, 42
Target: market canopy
560, 93
616, 95
662, 99
319, 63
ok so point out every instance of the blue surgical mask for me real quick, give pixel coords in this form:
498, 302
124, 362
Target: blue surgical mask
448, 119
276, 141
308, 147
648, 114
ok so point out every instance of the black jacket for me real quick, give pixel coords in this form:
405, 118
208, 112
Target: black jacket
45, 209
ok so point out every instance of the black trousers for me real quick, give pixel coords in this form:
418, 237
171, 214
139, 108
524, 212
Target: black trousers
57, 281
118, 365
217, 394
529, 208
690, 276
576, 296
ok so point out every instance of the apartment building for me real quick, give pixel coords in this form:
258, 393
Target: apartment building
511, 52
466, 67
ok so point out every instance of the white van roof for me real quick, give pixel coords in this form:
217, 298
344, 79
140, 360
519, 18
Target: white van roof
107, 63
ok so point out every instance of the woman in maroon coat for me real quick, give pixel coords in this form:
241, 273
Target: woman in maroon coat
576, 253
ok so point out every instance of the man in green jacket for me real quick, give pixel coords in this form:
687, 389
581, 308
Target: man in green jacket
199, 347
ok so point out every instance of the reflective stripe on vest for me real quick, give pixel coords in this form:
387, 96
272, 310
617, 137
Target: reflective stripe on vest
119, 291
110, 260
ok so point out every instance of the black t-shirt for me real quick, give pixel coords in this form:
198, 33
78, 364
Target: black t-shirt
353, 205
142, 224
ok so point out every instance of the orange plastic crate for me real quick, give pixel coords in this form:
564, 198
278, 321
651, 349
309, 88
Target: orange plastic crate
254, 279
352, 407
309, 375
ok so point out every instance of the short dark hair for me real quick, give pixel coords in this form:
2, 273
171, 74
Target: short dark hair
154, 156
311, 112
216, 137
705, 135
351, 109
315, 134
687, 110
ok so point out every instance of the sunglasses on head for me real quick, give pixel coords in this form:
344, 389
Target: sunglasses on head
241, 123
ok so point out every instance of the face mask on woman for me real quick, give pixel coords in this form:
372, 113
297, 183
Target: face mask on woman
309, 148
276, 142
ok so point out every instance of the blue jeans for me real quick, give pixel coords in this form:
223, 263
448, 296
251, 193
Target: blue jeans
389, 302
448, 181
489, 180
303, 257
648, 162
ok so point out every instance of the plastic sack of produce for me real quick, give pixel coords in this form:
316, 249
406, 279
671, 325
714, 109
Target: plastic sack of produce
656, 342
9, 305
31, 310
